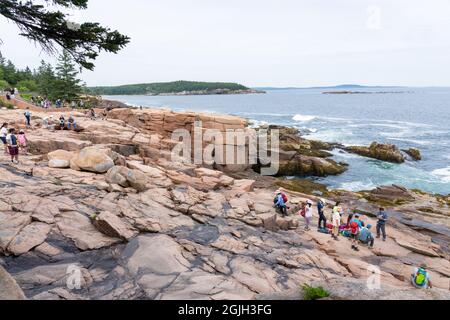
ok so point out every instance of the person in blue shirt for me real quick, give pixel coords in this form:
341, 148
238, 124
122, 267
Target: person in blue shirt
381, 224
366, 237
280, 204
322, 218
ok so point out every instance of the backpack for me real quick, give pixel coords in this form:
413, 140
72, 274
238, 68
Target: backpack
354, 226
13, 140
285, 198
303, 212
421, 277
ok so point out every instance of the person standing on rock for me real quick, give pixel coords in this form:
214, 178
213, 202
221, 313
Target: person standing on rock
308, 214
355, 226
322, 218
27, 115
336, 219
381, 224
3, 134
13, 146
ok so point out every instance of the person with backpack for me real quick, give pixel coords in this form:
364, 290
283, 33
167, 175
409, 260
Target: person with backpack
280, 202
27, 115
322, 218
308, 214
3, 134
421, 278
13, 146
381, 224
355, 226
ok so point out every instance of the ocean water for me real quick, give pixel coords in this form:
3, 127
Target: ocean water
407, 117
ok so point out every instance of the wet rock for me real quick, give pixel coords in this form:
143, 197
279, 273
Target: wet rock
384, 152
389, 195
414, 153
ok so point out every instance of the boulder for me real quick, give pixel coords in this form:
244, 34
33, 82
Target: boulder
413, 153
126, 178
80, 229
59, 159
92, 159
111, 225
384, 152
390, 195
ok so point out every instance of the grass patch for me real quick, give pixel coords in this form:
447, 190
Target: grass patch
314, 293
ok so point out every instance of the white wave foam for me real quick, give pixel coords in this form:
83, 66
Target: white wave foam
443, 174
257, 123
357, 185
303, 118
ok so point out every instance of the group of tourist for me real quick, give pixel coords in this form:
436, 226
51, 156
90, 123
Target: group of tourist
63, 124
353, 227
12, 143
11, 93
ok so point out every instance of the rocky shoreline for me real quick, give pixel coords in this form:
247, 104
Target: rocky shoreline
109, 202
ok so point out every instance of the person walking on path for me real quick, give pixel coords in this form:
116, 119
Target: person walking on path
381, 224
27, 115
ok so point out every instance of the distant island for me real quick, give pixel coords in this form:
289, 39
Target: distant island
174, 88
362, 92
338, 87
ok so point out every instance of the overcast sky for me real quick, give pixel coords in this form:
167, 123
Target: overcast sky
266, 43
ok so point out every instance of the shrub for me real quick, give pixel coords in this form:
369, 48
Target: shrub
311, 293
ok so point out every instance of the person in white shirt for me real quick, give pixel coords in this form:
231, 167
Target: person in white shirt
308, 214
3, 134
336, 221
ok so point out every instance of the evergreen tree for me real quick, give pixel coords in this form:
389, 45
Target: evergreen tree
67, 85
45, 77
42, 22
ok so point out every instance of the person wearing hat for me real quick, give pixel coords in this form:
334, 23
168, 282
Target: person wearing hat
280, 202
366, 237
